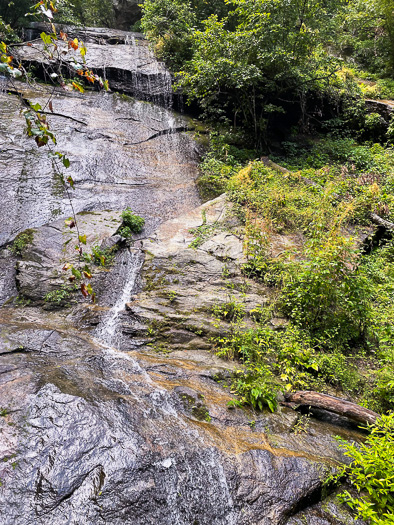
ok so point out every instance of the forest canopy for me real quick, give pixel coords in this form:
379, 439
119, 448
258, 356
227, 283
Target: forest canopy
247, 62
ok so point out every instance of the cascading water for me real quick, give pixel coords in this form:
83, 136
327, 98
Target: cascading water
129, 266
155, 84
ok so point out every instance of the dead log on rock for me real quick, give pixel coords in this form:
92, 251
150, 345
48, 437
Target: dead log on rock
333, 404
387, 225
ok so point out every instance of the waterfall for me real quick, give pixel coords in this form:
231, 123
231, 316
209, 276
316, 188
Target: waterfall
130, 264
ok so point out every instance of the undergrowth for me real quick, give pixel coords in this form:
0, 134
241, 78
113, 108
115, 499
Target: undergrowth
335, 295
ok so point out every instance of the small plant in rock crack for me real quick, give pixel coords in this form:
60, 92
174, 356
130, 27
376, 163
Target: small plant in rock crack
202, 233
301, 426
100, 256
58, 296
172, 295
230, 311
22, 240
131, 224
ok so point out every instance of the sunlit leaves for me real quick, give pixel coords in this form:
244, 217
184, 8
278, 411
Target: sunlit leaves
372, 473
78, 86
37, 126
70, 222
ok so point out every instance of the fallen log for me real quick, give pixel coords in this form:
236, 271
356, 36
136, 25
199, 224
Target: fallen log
332, 404
387, 225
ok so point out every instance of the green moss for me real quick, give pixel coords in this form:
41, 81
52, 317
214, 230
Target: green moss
22, 240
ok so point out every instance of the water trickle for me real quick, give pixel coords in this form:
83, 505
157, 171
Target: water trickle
130, 264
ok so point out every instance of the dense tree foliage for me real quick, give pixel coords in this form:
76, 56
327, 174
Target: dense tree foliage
87, 12
246, 62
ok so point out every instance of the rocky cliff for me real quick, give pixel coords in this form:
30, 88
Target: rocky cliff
117, 412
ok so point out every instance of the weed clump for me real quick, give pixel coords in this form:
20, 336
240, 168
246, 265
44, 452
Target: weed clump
21, 241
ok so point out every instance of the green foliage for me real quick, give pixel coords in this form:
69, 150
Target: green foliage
338, 299
366, 33
168, 23
203, 232
22, 240
131, 223
230, 311
7, 34
256, 387
60, 295
239, 59
101, 256
86, 12
13, 11
327, 294
372, 473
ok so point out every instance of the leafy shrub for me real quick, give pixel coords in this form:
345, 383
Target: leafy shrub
131, 223
230, 311
58, 296
256, 387
125, 232
372, 473
327, 295
336, 370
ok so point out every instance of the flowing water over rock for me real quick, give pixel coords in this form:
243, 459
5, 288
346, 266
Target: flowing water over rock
115, 413
108, 329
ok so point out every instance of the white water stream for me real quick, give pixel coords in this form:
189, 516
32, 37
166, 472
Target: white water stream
130, 264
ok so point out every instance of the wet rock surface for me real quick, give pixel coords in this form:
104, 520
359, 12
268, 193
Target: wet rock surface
95, 435
130, 433
123, 58
117, 413
122, 153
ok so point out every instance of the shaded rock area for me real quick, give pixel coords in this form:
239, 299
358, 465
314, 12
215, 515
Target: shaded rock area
117, 412
126, 12
39, 270
385, 108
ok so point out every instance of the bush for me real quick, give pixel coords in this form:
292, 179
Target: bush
257, 388
372, 473
131, 223
327, 295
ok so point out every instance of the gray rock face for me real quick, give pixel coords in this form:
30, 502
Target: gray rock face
93, 435
123, 58
122, 153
